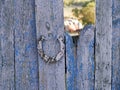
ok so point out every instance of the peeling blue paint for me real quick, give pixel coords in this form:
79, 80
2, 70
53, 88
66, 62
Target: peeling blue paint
25, 46
91, 52
71, 66
85, 59
116, 23
115, 45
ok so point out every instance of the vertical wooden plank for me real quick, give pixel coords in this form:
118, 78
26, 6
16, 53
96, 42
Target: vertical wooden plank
49, 22
71, 68
0, 46
85, 59
6, 45
103, 44
116, 45
26, 66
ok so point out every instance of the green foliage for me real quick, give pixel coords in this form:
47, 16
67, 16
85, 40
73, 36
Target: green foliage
86, 14
77, 2
68, 2
76, 12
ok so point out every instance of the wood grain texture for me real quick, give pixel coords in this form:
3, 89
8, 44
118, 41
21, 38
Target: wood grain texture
6, 45
85, 59
103, 45
26, 65
116, 45
49, 22
71, 67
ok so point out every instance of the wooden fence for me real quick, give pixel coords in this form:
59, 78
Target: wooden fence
92, 65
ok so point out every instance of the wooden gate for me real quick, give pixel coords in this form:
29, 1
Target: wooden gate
93, 65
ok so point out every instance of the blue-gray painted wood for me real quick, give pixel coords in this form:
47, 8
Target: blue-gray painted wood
103, 44
85, 59
49, 22
26, 65
7, 45
71, 68
116, 45
18, 48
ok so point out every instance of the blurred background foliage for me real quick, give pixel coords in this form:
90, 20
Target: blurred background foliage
83, 10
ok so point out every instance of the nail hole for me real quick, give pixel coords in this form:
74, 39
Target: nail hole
47, 25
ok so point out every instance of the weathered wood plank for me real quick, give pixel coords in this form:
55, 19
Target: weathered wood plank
116, 45
49, 22
85, 59
71, 68
6, 45
103, 44
26, 66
